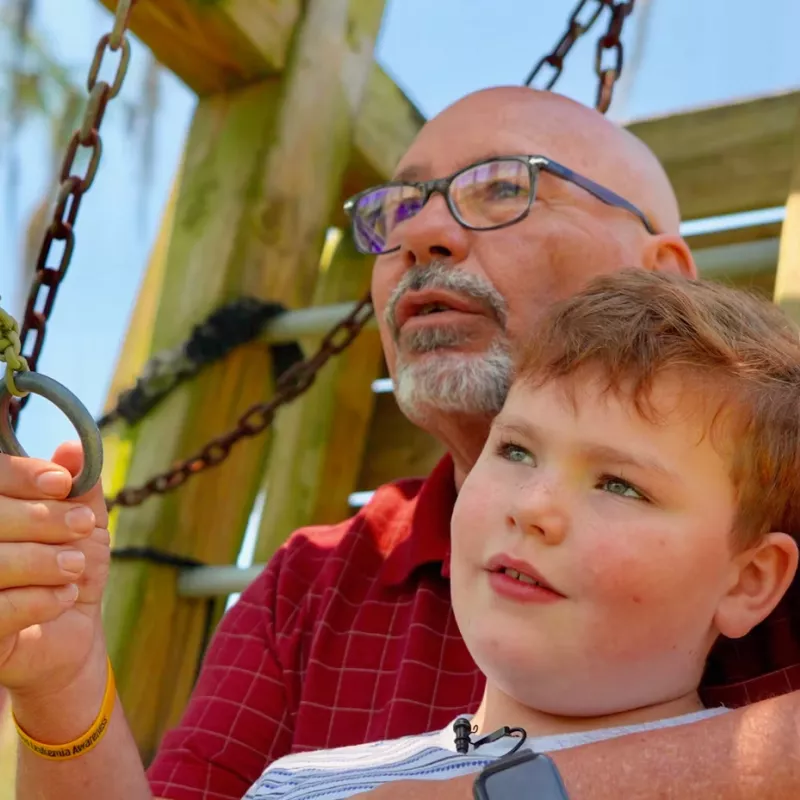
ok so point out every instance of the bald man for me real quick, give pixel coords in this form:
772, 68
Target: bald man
507, 201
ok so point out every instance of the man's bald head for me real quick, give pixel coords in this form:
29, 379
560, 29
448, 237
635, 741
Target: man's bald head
566, 131
454, 303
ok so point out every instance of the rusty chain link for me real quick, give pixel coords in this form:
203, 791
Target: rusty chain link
575, 29
578, 25
72, 188
608, 76
292, 383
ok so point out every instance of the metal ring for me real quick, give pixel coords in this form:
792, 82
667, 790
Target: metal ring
72, 408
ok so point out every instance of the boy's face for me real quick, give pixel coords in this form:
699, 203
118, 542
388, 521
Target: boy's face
629, 521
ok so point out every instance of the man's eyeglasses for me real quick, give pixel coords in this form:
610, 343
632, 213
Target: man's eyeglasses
482, 197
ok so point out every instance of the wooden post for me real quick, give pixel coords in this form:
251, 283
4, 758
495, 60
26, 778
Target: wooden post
117, 440
319, 441
263, 168
787, 279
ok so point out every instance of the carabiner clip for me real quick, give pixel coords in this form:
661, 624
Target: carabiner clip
63, 399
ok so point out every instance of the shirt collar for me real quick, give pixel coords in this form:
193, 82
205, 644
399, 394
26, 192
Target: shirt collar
418, 533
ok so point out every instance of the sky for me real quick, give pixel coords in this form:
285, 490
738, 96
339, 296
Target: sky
696, 54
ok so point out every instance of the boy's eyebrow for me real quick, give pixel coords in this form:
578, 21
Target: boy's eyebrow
519, 425
601, 452
595, 452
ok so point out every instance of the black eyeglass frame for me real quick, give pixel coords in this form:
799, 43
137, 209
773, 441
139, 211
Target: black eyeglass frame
534, 163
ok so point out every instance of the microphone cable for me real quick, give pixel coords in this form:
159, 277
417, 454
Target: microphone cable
462, 730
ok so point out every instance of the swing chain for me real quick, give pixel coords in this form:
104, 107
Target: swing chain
578, 25
72, 187
607, 76
575, 29
291, 384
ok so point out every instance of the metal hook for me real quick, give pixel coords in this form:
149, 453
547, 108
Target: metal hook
63, 399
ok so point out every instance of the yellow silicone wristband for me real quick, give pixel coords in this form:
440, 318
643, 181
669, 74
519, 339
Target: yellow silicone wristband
83, 744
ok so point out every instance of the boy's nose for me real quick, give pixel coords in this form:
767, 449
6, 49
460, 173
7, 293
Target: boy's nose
540, 511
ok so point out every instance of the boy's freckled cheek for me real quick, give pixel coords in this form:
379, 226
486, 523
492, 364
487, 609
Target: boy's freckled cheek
615, 577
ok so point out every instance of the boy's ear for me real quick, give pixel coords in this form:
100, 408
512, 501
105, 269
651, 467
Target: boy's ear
761, 575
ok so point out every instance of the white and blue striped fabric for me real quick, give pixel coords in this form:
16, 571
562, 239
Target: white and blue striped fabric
349, 771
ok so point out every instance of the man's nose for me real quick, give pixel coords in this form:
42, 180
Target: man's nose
539, 510
433, 234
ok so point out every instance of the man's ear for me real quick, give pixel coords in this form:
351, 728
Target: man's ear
760, 577
666, 252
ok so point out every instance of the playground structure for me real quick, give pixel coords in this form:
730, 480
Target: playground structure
293, 116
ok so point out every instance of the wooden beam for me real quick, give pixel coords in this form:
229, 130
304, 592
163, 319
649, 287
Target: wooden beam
216, 46
787, 280
727, 158
318, 441
744, 234
262, 169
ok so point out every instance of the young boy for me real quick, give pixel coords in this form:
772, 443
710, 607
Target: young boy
637, 498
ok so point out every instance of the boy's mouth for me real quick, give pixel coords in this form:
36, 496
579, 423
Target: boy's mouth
521, 576
521, 571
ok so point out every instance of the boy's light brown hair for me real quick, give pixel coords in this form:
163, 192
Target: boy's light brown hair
731, 347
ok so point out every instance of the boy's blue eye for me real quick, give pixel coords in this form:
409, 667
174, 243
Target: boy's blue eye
621, 488
514, 453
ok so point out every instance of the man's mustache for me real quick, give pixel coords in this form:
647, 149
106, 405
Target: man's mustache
440, 275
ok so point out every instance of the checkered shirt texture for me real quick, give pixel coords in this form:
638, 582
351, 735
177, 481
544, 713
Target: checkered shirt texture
348, 637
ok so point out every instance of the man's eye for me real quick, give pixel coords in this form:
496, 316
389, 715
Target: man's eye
502, 190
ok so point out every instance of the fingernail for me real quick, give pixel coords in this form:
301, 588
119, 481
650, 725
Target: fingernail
80, 519
54, 484
67, 594
71, 561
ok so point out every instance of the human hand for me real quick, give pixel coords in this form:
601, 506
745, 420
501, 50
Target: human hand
54, 562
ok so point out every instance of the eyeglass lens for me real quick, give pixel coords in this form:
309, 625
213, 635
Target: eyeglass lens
483, 196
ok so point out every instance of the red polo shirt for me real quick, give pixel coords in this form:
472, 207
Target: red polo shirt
348, 636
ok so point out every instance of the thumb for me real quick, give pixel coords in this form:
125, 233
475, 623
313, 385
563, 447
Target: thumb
70, 456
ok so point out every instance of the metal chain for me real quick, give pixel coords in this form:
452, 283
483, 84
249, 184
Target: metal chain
46, 279
292, 383
577, 26
575, 29
608, 76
